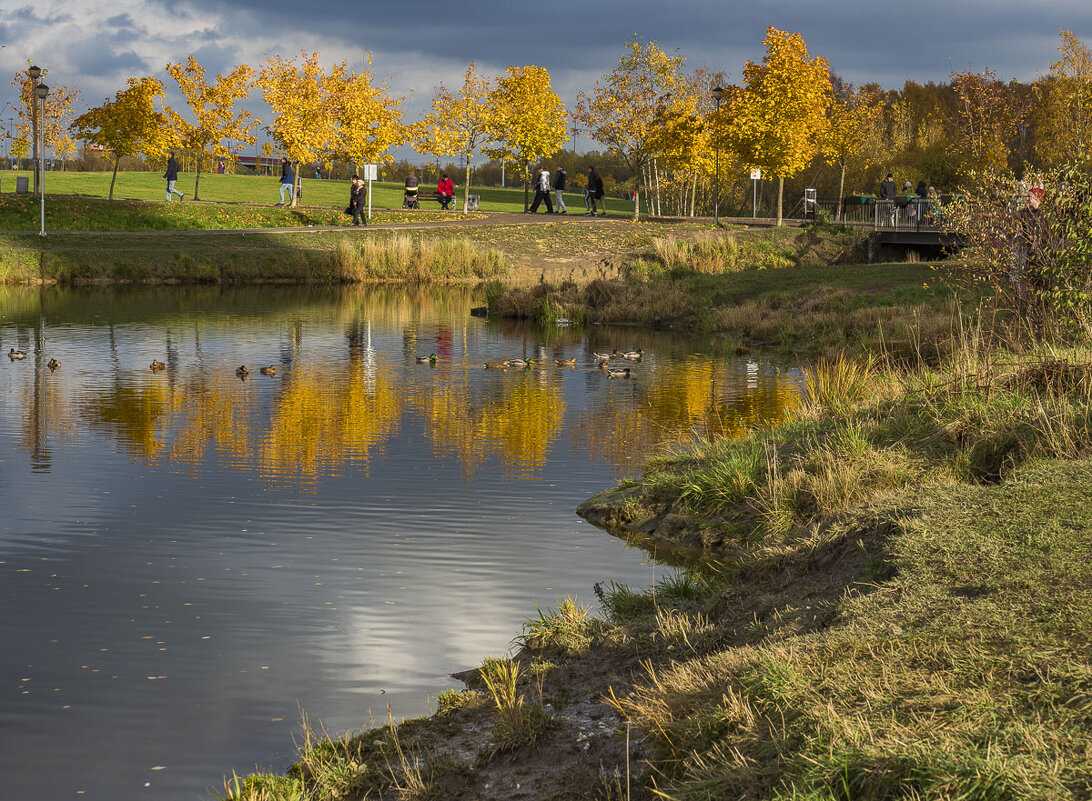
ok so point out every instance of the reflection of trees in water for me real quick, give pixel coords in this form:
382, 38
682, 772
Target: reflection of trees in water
512, 418
337, 400
675, 401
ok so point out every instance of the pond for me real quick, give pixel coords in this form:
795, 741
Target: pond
192, 560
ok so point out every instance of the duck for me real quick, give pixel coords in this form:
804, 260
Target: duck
618, 372
565, 362
426, 359
524, 362
602, 357
270, 370
53, 364
14, 354
635, 355
242, 372
499, 365
156, 366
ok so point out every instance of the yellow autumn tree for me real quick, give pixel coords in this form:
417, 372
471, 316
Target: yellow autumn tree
853, 124
128, 124
988, 115
301, 127
218, 130
622, 110
457, 124
367, 120
526, 119
59, 111
1064, 108
778, 119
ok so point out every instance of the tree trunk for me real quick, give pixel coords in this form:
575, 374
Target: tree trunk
466, 187
780, 198
197, 181
526, 187
841, 193
297, 182
114, 177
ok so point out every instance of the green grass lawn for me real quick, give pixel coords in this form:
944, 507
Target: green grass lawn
265, 190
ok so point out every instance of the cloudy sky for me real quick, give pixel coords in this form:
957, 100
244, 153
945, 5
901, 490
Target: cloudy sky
96, 46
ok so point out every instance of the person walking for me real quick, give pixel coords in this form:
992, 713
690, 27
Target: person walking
888, 192
542, 191
171, 176
357, 190
595, 192
560, 177
288, 180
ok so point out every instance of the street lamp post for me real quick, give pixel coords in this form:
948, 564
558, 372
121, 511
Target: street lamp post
35, 72
41, 91
718, 93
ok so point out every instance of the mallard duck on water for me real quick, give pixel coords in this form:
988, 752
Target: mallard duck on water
270, 370
496, 365
426, 359
14, 354
565, 362
522, 362
156, 366
601, 357
53, 364
241, 371
635, 355
618, 372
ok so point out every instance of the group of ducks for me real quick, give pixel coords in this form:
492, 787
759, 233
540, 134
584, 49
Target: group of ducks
14, 355
602, 359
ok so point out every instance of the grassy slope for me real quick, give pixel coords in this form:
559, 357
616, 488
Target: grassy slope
264, 190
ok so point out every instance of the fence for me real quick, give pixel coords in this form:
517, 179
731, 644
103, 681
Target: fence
914, 214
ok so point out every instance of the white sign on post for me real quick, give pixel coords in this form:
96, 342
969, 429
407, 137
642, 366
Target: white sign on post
756, 175
370, 174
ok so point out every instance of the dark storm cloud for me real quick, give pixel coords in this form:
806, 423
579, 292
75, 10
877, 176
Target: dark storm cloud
96, 61
885, 42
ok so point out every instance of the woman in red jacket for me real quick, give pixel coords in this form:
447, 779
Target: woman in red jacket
446, 190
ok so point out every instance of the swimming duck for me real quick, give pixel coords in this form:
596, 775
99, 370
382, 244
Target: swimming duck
565, 362
426, 359
501, 365
635, 355
602, 357
524, 362
618, 372
14, 354
270, 370
53, 364
242, 372
156, 366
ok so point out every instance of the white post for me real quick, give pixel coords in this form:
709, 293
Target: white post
41, 166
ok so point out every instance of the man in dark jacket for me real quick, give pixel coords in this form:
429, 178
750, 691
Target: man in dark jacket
288, 179
559, 188
888, 192
171, 175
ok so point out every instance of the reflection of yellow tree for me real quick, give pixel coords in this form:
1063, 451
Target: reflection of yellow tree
518, 424
525, 422
682, 399
317, 427
210, 414
133, 414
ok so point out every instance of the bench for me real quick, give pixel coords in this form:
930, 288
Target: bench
428, 194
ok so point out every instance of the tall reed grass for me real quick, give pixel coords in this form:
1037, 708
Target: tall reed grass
402, 257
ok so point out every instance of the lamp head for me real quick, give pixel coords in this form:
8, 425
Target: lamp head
41, 90
718, 92
35, 72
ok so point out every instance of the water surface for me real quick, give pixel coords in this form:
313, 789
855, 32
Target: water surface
188, 559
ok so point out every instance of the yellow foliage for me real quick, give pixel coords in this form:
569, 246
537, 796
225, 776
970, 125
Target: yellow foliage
218, 130
1065, 105
526, 119
366, 120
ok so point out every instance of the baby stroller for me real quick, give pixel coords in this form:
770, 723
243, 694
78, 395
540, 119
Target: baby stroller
409, 200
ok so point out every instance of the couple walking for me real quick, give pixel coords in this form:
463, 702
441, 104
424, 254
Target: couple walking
543, 188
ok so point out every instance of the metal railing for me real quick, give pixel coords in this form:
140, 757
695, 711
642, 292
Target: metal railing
922, 214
